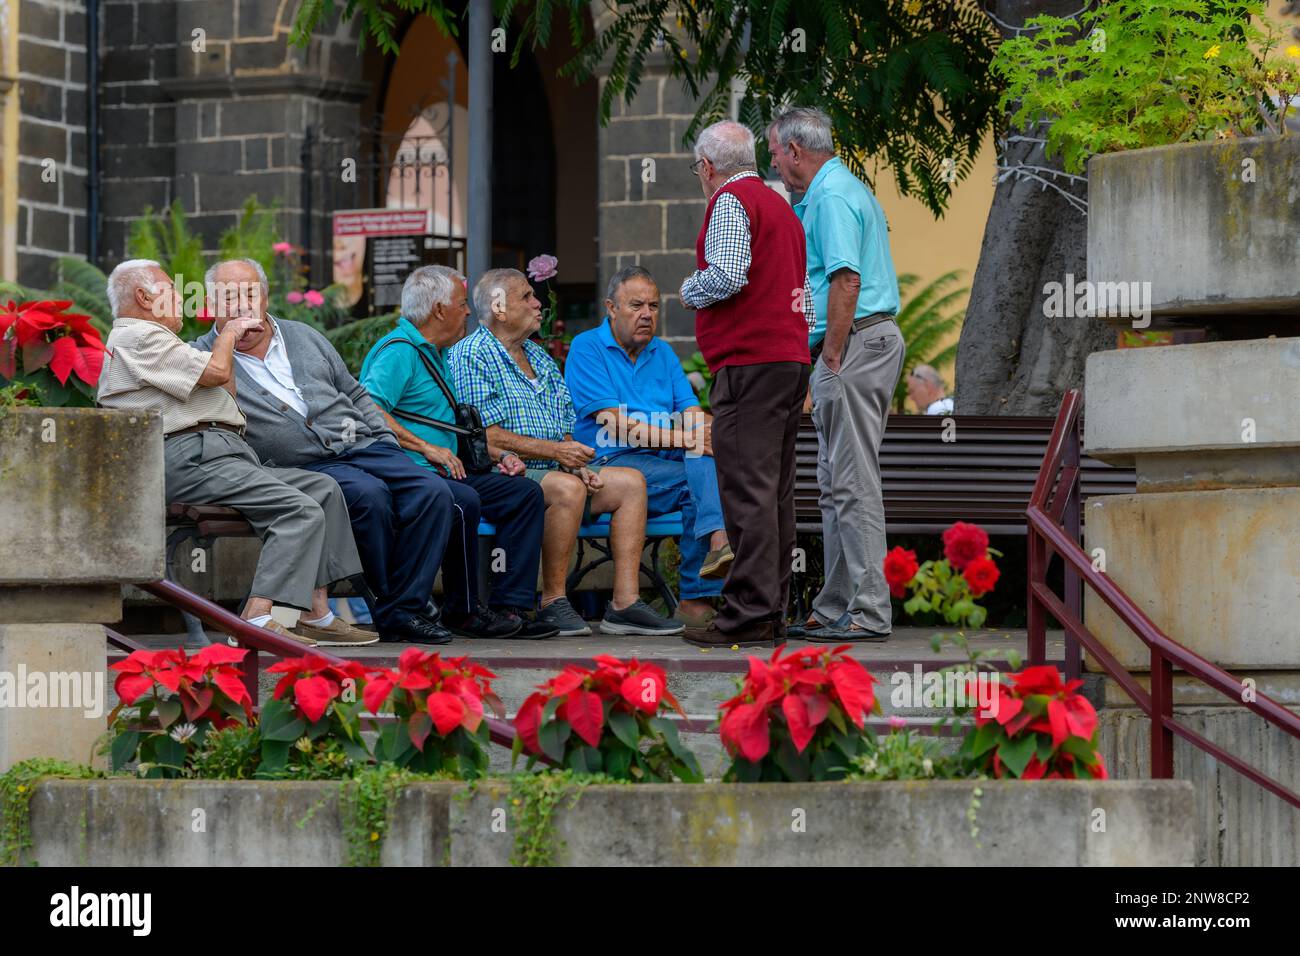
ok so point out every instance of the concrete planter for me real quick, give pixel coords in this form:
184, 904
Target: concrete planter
81, 514
1214, 227
219, 823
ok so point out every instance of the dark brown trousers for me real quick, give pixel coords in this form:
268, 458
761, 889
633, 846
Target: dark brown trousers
756, 412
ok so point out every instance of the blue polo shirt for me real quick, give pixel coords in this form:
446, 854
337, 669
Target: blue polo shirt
600, 374
846, 229
396, 378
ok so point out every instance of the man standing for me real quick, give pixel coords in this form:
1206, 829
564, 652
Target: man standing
635, 406
402, 372
300, 516
750, 293
856, 290
305, 410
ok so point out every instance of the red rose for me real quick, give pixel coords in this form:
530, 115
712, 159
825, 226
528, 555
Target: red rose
981, 574
963, 543
900, 568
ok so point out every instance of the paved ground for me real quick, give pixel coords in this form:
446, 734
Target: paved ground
908, 645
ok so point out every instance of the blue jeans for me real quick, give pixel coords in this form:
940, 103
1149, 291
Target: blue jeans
675, 481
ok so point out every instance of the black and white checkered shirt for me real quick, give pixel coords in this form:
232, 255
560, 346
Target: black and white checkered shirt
727, 258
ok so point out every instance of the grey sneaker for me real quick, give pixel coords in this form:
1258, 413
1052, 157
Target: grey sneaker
561, 615
637, 618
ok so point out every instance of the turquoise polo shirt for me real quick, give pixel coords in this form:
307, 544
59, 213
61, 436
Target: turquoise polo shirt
846, 229
600, 374
396, 378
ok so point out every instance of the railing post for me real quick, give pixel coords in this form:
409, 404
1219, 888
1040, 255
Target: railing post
1162, 711
250, 674
1073, 585
1037, 617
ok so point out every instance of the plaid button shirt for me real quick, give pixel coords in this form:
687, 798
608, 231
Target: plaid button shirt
488, 377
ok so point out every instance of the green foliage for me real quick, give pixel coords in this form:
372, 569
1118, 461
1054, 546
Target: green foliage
364, 800
904, 82
16, 786
252, 236
939, 587
1130, 74
354, 340
168, 240
903, 755
232, 753
925, 321
533, 800
696, 364
293, 749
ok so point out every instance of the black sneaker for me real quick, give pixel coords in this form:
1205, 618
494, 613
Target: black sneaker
483, 623
637, 618
561, 615
530, 629
416, 630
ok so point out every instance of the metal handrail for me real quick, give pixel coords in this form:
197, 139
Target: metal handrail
500, 732
1049, 534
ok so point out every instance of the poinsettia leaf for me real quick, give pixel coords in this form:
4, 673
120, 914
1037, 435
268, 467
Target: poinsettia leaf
551, 706
624, 727
169, 752
275, 755
984, 738
123, 748
795, 765
169, 711
552, 737
584, 760
618, 760
1015, 754
279, 723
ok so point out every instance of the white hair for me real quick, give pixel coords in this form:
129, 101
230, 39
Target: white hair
809, 128
210, 277
126, 278
486, 288
728, 146
426, 288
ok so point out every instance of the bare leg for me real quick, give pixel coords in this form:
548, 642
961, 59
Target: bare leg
717, 539
623, 496
566, 496
256, 607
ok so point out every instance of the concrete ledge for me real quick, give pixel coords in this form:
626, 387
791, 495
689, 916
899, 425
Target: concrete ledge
240, 823
1189, 219
1233, 398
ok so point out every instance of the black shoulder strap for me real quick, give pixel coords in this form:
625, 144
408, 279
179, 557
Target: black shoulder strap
433, 371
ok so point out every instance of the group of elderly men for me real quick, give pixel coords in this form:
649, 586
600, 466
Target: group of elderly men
361, 480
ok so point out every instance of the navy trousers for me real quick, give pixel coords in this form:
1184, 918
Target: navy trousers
401, 517
516, 506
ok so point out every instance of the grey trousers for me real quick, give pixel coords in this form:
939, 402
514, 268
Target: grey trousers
301, 516
849, 411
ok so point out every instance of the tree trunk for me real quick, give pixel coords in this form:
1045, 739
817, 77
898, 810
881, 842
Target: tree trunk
1011, 358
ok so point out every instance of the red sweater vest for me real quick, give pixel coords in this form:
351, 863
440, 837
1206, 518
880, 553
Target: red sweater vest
759, 323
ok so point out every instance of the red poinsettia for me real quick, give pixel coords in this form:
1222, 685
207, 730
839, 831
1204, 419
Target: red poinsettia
49, 336
981, 574
807, 692
194, 681
313, 683
1039, 727
433, 694
963, 543
900, 567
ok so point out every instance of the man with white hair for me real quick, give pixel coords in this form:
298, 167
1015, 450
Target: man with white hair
856, 293
305, 410
928, 392
300, 516
752, 306
406, 374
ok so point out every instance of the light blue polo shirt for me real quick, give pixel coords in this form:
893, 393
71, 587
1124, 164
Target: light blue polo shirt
600, 374
396, 378
846, 229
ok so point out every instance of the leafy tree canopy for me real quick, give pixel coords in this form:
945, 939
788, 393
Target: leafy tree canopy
906, 83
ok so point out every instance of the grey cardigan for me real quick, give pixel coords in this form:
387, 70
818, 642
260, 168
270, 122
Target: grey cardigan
341, 415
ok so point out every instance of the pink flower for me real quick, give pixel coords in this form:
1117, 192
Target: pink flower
897, 723
543, 267
282, 248
294, 298
314, 298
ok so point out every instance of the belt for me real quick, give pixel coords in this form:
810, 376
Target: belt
204, 426
867, 321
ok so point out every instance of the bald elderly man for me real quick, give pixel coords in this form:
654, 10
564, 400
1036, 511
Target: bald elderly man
301, 517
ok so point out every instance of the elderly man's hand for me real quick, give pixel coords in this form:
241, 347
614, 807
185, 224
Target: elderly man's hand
511, 465
445, 462
239, 325
574, 454
699, 439
591, 479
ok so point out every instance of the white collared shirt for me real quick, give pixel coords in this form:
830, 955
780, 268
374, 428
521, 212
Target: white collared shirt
274, 373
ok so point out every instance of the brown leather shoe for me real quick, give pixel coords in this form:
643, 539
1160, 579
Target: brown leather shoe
753, 635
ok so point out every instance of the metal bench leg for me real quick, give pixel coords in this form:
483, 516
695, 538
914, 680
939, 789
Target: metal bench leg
657, 579
194, 633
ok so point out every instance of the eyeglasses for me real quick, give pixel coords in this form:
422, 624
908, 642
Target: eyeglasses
695, 167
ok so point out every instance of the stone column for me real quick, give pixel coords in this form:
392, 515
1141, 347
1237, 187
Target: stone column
81, 513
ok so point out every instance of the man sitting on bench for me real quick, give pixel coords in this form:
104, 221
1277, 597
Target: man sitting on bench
525, 405
306, 410
301, 517
635, 405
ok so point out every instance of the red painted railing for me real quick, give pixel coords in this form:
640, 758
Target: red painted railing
1054, 530
258, 639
